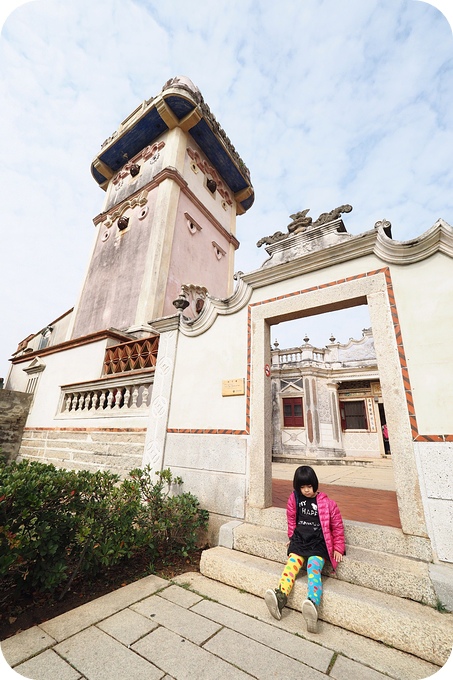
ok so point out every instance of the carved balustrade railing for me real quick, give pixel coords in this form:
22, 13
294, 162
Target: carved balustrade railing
128, 394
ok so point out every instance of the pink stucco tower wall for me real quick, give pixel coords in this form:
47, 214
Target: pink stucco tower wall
174, 185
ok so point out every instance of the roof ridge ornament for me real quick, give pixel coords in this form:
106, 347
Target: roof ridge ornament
302, 222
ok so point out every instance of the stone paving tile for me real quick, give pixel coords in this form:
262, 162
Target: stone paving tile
345, 669
22, 646
182, 596
127, 626
287, 643
47, 665
99, 657
61, 627
398, 665
183, 660
257, 659
192, 626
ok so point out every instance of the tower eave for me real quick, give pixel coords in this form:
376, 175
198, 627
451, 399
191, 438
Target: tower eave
179, 104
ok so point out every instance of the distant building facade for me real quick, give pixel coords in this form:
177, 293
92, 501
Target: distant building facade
327, 402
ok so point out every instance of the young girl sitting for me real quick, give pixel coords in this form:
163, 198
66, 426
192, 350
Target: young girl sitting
316, 533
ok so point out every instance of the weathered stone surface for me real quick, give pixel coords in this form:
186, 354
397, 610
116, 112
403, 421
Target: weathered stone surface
392, 662
281, 641
26, 644
90, 613
161, 647
405, 625
14, 407
98, 656
257, 659
182, 622
47, 665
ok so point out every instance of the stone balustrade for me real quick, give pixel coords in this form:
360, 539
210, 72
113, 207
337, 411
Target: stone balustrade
109, 396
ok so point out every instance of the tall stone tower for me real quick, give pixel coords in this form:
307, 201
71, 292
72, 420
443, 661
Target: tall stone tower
174, 185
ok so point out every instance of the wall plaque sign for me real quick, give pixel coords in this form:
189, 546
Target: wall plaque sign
231, 388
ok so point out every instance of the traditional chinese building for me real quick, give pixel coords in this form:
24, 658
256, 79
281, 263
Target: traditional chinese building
327, 402
166, 357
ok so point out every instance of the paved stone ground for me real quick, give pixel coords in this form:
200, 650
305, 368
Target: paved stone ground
196, 628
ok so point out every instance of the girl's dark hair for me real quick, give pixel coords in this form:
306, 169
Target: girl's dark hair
305, 475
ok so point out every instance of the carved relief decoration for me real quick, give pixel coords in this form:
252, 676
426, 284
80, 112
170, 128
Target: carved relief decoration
209, 170
149, 153
141, 200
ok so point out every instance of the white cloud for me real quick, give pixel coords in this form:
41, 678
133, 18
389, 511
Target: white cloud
326, 102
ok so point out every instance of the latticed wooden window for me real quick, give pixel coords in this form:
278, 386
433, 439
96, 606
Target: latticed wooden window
131, 356
353, 415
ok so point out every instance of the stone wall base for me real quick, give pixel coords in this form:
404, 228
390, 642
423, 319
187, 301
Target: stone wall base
85, 448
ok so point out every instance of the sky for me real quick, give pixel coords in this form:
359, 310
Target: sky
326, 102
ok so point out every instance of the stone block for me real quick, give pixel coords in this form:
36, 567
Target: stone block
222, 453
162, 648
442, 580
127, 626
279, 640
441, 515
226, 533
435, 459
405, 625
345, 669
47, 665
26, 644
257, 659
181, 621
97, 655
217, 492
91, 613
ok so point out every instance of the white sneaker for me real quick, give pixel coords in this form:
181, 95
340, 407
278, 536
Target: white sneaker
310, 614
270, 598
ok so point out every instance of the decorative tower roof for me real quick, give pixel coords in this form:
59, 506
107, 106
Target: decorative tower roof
180, 103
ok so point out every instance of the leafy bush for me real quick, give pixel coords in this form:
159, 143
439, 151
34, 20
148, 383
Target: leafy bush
56, 523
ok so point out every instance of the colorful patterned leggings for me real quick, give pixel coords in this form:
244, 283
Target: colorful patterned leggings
314, 568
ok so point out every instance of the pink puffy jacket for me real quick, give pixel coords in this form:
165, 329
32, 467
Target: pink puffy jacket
331, 523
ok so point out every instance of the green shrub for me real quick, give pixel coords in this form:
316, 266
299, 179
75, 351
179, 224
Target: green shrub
174, 523
55, 524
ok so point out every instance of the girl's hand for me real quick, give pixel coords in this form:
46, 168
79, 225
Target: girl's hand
338, 556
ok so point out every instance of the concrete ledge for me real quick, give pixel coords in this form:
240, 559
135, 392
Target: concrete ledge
442, 579
361, 534
400, 576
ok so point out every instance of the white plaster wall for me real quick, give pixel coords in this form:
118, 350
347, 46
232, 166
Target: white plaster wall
17, 378
202, 363
77, 364
424, 299
435, 465
314, 278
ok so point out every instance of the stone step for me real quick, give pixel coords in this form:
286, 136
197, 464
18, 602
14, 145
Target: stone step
400, 576
372, 536
402, 624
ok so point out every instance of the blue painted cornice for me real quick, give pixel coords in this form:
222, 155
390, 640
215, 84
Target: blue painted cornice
179, 104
